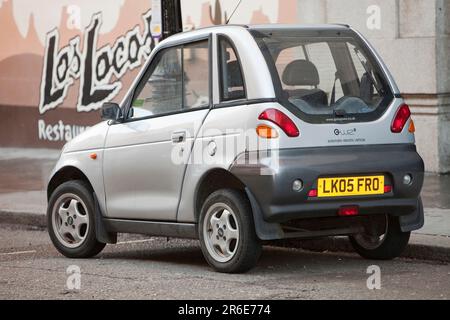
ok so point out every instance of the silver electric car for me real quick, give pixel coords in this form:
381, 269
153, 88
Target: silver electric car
236, 135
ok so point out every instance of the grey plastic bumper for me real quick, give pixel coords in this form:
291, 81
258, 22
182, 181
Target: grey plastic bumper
269, 183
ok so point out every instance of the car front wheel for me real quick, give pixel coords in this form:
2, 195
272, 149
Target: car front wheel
227, 233
70, 220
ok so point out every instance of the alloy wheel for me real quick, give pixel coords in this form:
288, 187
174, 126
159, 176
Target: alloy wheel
70, 220
221, 232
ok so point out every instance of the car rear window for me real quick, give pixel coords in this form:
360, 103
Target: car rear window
326, 77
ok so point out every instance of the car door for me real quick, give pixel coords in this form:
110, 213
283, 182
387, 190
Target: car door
145, 156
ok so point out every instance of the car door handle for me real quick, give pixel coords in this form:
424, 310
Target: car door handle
178, 137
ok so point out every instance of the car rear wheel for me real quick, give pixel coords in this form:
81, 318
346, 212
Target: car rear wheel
70, 220
384, 242
227, 233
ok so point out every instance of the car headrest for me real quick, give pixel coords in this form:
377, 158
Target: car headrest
234, 76
301, 73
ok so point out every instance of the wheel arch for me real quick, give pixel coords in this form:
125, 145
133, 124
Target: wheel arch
65, 174
213, 180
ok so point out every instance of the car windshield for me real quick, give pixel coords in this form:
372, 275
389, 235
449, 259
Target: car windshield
325, 78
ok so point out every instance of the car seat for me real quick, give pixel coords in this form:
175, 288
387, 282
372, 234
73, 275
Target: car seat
304, 73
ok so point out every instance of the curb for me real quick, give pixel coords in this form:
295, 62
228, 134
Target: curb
414, 250
23, 218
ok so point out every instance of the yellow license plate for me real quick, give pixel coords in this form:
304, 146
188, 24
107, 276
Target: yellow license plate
350, 186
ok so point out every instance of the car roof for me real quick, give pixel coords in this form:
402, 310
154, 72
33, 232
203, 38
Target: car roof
182, 36
300, 27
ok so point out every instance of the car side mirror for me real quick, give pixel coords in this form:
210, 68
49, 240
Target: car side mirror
111, 111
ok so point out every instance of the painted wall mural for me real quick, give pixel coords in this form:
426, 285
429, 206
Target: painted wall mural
61, 59
93, 67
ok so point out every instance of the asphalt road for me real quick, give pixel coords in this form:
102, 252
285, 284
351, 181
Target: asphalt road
154, 268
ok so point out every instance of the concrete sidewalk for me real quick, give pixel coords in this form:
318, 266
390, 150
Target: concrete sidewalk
23, 176
24, 172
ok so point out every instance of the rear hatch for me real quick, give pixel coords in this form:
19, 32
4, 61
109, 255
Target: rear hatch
330, 83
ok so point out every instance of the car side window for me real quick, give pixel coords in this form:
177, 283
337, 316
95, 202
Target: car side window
160, 90
196, 75
177, 80
231, 79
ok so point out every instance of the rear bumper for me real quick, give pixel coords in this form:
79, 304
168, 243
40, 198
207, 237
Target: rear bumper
270, 179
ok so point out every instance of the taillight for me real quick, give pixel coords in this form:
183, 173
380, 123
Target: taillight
312, 193
281, 120
401, 117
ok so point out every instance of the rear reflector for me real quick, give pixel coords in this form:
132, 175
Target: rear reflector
348, 211
387, 189
312, 193
281, 120
401, 117
265, 131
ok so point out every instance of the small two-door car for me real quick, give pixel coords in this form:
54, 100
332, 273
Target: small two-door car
235, 135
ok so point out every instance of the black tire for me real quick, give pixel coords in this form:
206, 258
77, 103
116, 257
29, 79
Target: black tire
248, 249
89, 247
392, 246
